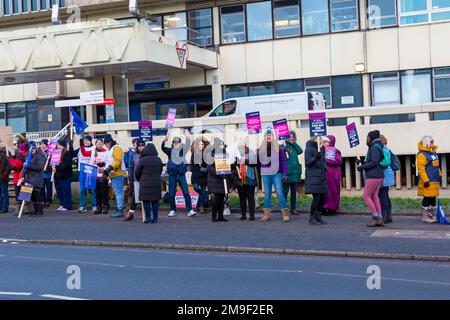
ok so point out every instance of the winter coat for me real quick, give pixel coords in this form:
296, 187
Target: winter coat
34, 173
16, 163
294, 166
199, 172
64, 169
428, 171
99, 158
333, 160
371, 166
5, 166
176, 167
132, 165
216, 182
116, 162
316, 170
148, 173
389, 175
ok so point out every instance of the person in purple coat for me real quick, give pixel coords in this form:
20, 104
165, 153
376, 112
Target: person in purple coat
333, 159
274, 170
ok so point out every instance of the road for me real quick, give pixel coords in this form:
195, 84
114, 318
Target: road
40, 272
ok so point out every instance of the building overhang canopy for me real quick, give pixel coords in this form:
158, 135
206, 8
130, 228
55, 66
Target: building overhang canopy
92, 49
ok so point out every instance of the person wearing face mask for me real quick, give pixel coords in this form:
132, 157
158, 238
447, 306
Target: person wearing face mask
333, 159
137, 154
99, 158
84, 157
199, 170
274, 170
374, 177
429, 177
293, 150
176, 167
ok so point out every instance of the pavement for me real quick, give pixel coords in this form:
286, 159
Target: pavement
345, 235
44, 272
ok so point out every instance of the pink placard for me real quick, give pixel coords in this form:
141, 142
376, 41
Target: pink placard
181, 204
281, 129
55, 160
253, 122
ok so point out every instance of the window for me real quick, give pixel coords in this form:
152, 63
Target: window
258, 89
17, 116
34, 5
392, 118
315, 16
175, 26
288, 86
25, 7
385, 88
15, 5
155, 25
6, 7
235, 91
423, 11
441, 80
259, 21
43, 4
225, 109
382, 13
416, 86
33, 118
322, 85
286, 18
347, 91
2, 114
344, 15
435, 116
232, 24
335, 122
200, 23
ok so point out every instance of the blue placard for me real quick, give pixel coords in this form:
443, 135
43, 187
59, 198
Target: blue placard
88, 176
25, 193
152, 85
146, 130
352, 133
318, 124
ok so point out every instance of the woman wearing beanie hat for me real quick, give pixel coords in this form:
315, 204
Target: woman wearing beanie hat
63, 176
47, 190
84, 154
374, 176
293, 150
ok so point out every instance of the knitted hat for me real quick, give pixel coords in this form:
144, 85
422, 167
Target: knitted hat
44, 141
108, 139
62, 142
21, 137
140, 142
375, 134
176, 140
88, 137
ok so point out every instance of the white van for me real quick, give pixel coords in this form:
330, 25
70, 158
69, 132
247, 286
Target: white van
300, 102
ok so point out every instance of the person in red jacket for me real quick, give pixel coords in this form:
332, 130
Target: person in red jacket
17, 160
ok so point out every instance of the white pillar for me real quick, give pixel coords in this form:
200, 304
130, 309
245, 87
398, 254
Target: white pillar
444, 170
348, 175
398, 179
408, 172
357, 178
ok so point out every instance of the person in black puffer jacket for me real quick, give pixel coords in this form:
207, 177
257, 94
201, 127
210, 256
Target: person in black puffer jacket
148, 173
63, 176
199, 170
34, 174
374, 176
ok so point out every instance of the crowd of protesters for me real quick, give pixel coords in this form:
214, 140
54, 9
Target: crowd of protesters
135, 174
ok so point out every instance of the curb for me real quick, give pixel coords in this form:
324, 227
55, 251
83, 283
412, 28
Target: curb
206, 248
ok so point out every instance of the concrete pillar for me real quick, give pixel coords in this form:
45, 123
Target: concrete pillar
357, 178
444, 170
348, 175
90, 113
408, 172
398, 179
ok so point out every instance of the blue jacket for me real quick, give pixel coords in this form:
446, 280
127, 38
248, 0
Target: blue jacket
176, 167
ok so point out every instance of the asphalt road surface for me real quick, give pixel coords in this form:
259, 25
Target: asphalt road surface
44, 272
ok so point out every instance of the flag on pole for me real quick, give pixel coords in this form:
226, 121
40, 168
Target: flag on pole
30, 153
440, 214
78, 123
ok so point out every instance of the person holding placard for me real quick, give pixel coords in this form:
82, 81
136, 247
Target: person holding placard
292, 181
99, 158
374, 176
199, 169
63, 176
47, 190
5, 170
248, 181
34, 174
274, 170
148, 173
333, 159
84, 157
16, 161
316, 179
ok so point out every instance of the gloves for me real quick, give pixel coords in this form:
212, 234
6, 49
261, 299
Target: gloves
108, 170
359, 168
426, 184
318, 156
101, 164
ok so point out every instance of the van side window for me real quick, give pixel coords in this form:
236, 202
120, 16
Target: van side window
225, 109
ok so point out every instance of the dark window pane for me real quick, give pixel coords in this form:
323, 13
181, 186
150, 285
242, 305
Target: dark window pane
200, 21
2, 114
34, 5
287, 86
232, 24
287, 18
258, 89
17, 116
235, 91
393, 118
335, 122
441, 115
43, 4
315, 16
62, 3
442, 88
52, 2
344, 15
6, 7
347, 91
32, 117
25, 6
382, 13
259, 21
15, 4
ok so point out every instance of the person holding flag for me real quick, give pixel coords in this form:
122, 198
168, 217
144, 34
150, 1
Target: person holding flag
34, 174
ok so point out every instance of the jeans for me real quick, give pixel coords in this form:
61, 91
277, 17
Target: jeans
150, 206
4, 196
117, 185
386, 204
292, 186
47, 191
202, 194
277, 181
247, 194
181, 180
64, 192
83, 193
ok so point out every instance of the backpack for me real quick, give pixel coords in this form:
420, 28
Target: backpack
384, 163
395, 163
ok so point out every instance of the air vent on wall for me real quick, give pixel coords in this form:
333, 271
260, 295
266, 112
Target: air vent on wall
51, 90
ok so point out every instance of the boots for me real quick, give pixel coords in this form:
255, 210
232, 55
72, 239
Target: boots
313, 221
106, 211
388, 218
243, 217
40, 207
319, 219
35, 212
28, 208
375, 222
285, 214
214, 215
221, 218
294, 212
201, 210
99, 210
266, 216
427, 215
130, 216
147, 220
252, 217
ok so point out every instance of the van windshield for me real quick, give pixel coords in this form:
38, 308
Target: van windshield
225, 109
